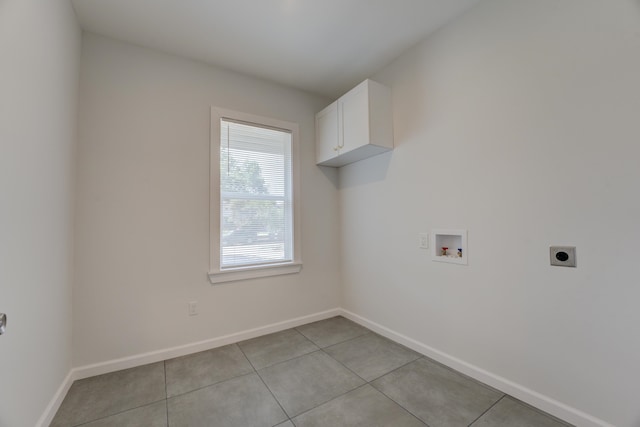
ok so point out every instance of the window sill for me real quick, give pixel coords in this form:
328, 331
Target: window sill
246, 273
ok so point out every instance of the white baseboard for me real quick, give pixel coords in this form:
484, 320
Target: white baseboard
183, 350
553, 407
533, 398
169, 353
56, 401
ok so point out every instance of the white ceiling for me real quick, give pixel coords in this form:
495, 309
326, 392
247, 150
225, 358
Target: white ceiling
321, 46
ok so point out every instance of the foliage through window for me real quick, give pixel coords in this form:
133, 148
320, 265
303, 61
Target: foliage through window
256, 202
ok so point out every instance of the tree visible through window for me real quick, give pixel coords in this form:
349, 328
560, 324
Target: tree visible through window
256, 220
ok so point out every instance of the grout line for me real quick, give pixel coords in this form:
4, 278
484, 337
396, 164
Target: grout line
397, 403
246, 358
339, 342
289, 360
367, 330
306, 339
350, 339
116, 413
429, 360
320, 349
316, 348
419, 356
488, 387
166, 393
276, 399
371, 385
211, 385
345, 366
539, 411
265, 384
393, 370
488, 409
330, 400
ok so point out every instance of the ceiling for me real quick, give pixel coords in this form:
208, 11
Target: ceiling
320, 46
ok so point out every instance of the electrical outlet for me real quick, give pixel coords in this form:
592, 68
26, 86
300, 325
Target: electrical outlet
424, 240
193, 308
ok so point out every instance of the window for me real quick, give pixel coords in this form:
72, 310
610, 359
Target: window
255, 195
254, 226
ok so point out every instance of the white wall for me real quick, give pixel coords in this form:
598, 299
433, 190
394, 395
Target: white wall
143, 205
519, 122
39, 55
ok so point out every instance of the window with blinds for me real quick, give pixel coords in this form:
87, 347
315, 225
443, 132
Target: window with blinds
256, 201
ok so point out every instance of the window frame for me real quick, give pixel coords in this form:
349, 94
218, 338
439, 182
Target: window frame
216, 273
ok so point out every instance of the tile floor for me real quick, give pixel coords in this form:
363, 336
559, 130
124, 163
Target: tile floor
330, 373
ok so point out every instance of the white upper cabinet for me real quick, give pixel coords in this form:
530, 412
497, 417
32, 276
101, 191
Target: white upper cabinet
327, 133
356, 126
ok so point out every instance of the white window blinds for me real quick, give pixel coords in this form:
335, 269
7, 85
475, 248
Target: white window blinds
256, 204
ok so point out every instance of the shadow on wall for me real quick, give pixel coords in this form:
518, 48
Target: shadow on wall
410, 95
367, 171
331, 173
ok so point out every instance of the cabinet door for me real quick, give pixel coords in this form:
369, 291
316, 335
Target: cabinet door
354, 118
327, 133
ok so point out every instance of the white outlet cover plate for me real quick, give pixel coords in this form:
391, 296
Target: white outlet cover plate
423, 240
193, 308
